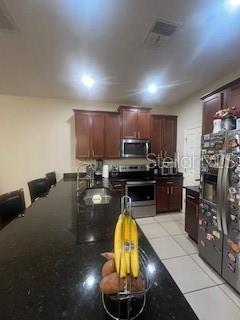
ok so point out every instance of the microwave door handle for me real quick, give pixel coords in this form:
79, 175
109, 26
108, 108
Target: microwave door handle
219, 191
225, 187
147, 148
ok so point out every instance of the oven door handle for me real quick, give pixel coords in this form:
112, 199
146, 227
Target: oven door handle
140, 183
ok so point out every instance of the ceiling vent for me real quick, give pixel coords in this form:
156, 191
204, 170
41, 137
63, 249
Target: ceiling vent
6, 22
160, 33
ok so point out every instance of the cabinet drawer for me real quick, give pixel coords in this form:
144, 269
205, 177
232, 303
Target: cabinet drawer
192, 196
118, 184
171, 181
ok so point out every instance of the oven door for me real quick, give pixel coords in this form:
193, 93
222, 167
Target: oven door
133, 148
142, 193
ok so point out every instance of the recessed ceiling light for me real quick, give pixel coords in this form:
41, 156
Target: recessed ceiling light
152, 88
234, 3
88, 81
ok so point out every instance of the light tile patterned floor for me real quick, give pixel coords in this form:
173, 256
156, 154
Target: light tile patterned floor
207, 293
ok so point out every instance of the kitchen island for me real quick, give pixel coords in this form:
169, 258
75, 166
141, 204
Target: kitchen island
50, 262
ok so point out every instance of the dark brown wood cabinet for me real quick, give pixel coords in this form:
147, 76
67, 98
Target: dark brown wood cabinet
224, 97
89, 128
233, 95
210, 106
144, 118
112, 135
164, 135
169, 194
97, 136
135, 122
192, 214
83, 135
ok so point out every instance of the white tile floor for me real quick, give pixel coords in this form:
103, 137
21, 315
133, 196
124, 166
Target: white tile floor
207, 293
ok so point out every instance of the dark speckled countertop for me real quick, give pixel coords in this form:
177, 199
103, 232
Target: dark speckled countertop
50, 262
193, 188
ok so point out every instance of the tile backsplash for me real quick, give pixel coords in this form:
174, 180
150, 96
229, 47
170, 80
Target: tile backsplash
111, 162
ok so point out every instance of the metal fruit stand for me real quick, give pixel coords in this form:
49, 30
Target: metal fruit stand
128, 305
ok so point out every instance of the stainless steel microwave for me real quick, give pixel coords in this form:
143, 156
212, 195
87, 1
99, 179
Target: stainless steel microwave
133, 148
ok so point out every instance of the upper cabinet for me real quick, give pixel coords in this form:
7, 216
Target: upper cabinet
233, 95
83, 135
112, 135
224, 97
97, 138
97, 134
164, 135
135, 122
211, 105
89, 128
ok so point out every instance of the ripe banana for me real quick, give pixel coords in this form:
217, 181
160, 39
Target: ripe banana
117, 243
134, 251
126, 247
127, 240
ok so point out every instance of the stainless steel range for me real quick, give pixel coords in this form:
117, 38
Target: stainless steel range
140, 188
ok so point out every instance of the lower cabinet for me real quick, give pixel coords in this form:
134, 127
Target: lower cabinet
169, 194
192, 214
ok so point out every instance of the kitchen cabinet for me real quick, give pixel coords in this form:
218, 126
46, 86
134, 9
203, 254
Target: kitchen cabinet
192, 214
169, 194
89, 128
210, 106
97, 135
226, 96
164, 135
233, 95
97, 138
83, 136
112, 135
135, 122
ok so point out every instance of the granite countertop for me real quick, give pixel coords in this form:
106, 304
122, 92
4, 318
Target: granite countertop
48, 258
193, 188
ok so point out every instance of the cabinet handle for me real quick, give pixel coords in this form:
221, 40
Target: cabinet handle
139, 136
197, 213
170, 182
191, 197
93, 153
168, 190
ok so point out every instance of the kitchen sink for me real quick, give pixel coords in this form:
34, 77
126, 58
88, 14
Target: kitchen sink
97, 196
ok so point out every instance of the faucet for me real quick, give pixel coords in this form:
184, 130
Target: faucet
89, 175
81, 164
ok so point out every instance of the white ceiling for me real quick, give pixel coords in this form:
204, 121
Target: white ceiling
59, 40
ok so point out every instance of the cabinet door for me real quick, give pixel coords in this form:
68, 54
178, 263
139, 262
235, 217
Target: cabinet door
191, 219
97, 136
112, 136
169, 135
162, 198
82, 127
233, 96
175, 199
156, 134
210, 106
129, 123
143, 131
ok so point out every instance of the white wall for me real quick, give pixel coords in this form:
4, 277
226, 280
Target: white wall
36, 136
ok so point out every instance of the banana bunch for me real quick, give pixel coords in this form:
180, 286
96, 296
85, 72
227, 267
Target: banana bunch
126, 246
